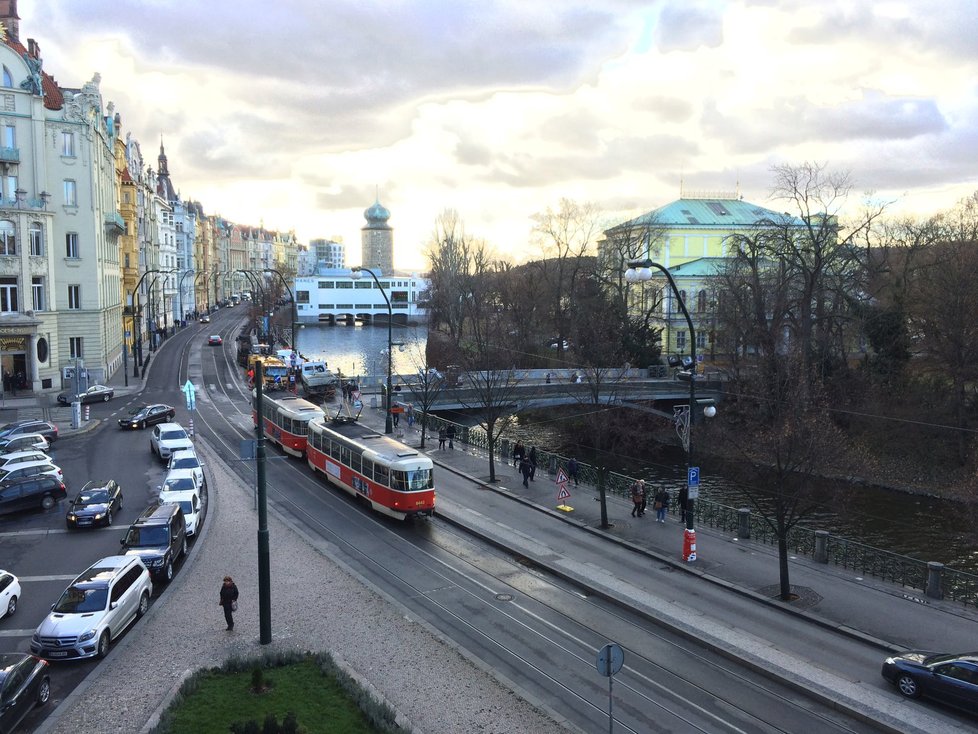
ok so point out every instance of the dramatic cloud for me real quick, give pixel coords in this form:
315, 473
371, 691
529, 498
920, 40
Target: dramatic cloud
298, 112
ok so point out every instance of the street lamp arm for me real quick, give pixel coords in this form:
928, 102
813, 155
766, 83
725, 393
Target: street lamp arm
355, 273
295, 317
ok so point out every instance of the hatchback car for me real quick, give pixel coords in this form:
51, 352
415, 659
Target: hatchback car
94, 394
30, 469
187, 459
95, 505
148, 415
42, 492
15, 459
950, 678
164, 440
180, 480
19, 428
24, 684
95, 609
214, 340
9, 593
24, 442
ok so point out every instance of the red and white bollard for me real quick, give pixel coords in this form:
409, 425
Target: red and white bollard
689, 545
88, 410
191, 428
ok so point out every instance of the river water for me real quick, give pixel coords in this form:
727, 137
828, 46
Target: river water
926, 528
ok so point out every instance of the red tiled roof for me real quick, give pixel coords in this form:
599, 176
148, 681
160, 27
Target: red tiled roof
53, 98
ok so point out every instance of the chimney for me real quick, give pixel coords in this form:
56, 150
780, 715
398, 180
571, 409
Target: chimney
10, 19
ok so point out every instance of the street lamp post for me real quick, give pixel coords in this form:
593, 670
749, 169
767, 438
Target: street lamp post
295, 318
356, 274
639, 271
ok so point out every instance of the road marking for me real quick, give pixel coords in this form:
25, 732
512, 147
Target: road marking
59, 577
17, 633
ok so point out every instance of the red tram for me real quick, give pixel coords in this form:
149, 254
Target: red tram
392, 478
286, 418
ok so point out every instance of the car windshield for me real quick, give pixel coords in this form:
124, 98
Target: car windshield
188, 462
81, 599
176, 484
137, 410
943, 657
147, 536
187, 506
173, 434
93, 497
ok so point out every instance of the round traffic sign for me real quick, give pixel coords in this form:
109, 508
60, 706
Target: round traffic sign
610, 659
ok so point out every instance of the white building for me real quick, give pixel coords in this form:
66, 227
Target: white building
334, 295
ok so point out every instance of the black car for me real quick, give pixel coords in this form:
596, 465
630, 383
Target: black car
95, 505
24, 683
147, 415
94, 394
17, 428
42, 491
159, 538
951, 678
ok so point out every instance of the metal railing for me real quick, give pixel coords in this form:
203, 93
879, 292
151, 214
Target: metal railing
911, 573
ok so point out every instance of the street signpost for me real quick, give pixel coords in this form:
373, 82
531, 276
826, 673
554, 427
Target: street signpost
610, 660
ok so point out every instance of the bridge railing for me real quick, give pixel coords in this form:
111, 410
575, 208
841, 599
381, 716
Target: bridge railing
911, 573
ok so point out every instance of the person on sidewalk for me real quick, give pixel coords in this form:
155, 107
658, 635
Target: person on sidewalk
660, 503
638, 494
646, 491
525, 471
683, 500
572, 470
229, 600
450, 433
533, 462
442, 434
518, 454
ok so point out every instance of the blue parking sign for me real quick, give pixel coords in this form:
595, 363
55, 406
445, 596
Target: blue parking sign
693, 479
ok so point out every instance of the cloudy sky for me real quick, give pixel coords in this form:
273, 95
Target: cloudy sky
295, 112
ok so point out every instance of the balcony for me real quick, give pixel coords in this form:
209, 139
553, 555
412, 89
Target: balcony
9, 155
114, 223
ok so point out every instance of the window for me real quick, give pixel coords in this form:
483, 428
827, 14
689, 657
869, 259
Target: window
74, 297
71, 193
680, 340
701, 340
37, 293
8, 295
8, 79
9, 136
71, 244
302, 297
36, 239
701, 304
8, 237
75, 347
68, 145
10, 188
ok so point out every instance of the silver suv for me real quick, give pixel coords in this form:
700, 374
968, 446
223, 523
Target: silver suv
98, 607
167, 438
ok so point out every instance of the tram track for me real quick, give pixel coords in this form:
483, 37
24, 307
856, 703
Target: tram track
543, 609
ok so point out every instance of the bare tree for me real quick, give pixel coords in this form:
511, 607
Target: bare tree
425, 389
449, 253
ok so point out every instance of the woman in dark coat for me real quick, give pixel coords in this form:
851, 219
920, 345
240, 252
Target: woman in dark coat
229, 600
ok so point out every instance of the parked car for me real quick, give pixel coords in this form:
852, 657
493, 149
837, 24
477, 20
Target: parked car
30, 493
191, 505
187, 459
19, 428
169, 438
94, 610
94, 394
30, 469
24, 442
24, 684
179, 480
9, 593
15, 459
95, 504
214, 340
148, 415
159, 538
947, 677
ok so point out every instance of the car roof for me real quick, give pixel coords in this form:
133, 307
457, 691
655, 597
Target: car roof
180, 494
15, 455
97, 484
180, 474
184, 453
172, 426
47, 462
156, 514
103, 569
24, 437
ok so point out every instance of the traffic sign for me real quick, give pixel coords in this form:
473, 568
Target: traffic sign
563, 493
693, 478
561, 476
610, 659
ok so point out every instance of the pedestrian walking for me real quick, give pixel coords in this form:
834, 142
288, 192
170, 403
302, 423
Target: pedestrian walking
450, 433
395, 417
525, 471
410, 416
533, 462
572, 470
660, 503
646, 491
229, 600
683, 500
519, 452
638, 494
442, 435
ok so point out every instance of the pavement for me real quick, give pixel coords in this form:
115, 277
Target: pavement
831, 600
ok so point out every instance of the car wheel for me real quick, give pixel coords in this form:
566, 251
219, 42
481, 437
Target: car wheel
143, 605
119, 507
11, 606
108, 518
47, 502
44, 692
907, 685
142, 425
168, 571
184, 551
103, 644
106, 397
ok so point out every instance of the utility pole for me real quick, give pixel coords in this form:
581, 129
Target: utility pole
264, 569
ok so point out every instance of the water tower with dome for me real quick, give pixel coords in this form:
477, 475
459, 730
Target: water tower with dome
377, 240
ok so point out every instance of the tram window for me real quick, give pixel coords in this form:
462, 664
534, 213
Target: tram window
345, 456
317, 440
418, 479
399, 481
355, 462
381, 475
368, 469
334, 450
